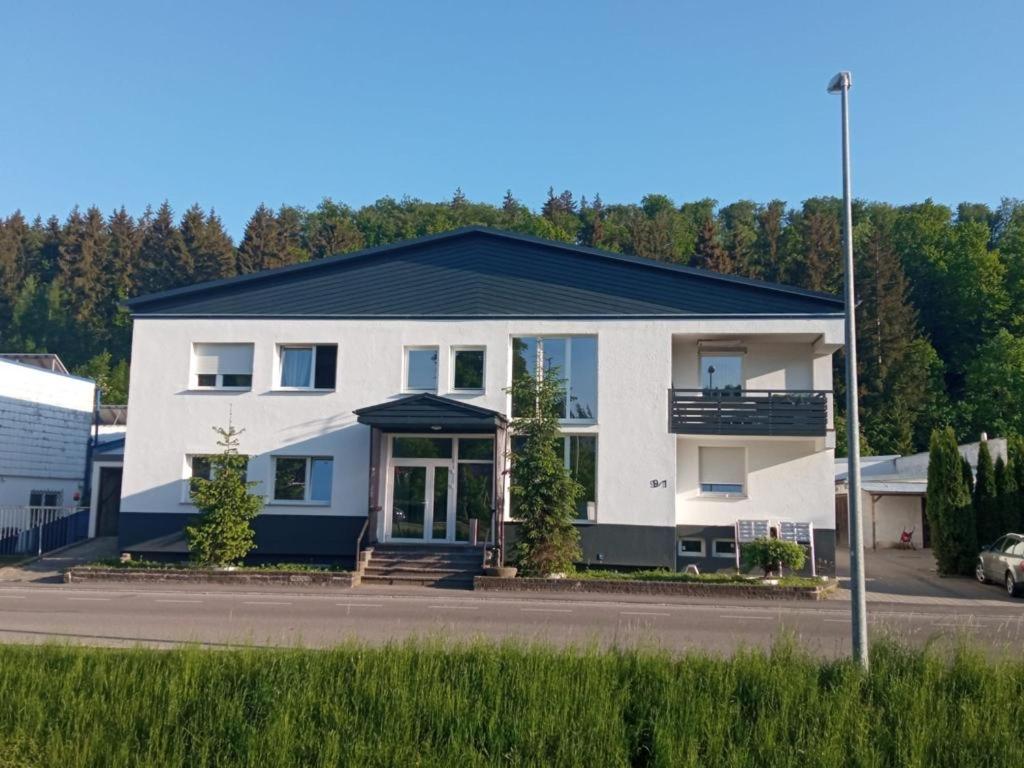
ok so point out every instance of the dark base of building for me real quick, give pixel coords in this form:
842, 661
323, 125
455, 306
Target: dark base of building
332, 540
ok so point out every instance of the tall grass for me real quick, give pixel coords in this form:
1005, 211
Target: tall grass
483, 705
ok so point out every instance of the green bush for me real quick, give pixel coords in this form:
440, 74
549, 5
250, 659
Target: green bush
483, 705
771, 554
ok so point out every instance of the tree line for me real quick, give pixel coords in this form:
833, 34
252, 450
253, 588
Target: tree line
941, 318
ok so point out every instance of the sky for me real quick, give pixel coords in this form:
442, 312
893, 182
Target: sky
230, 104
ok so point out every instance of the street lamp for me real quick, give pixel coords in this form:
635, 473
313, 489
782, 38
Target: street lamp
841, 84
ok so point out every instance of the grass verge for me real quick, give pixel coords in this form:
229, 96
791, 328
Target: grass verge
484, 705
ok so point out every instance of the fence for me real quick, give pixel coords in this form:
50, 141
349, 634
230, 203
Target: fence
35, 530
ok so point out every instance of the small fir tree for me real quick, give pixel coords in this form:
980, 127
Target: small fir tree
223, 533
988, 521
543, 491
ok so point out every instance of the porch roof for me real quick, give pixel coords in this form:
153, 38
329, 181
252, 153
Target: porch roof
430, 413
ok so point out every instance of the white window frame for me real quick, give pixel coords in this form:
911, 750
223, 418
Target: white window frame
451, 366
186, 480
279, 368
684, 553
567, 462
728, 556
44, 494
405, 367
306, 501
724, 494
567, 372
219, 386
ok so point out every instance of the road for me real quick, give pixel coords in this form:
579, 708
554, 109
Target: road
129, 615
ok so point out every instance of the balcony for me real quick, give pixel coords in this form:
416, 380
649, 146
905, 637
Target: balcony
772, 413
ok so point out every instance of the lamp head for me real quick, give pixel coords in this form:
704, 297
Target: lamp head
839, 83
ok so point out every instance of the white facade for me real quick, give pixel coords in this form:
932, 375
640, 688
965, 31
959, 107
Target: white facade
45, 421
646, 475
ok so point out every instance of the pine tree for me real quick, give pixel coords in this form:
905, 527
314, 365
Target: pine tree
208, 245
331, 229
987, 517
708, 252
739, 237
83, 250
458, 199
163, 260
770, 229
592, 217
261, 246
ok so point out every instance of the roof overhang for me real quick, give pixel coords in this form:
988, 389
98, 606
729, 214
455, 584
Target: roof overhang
428, 413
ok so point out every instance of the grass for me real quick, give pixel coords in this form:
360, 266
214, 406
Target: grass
659, 574
484, 705
114, 562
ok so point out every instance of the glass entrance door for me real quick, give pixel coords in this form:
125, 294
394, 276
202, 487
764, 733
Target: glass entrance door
420, 508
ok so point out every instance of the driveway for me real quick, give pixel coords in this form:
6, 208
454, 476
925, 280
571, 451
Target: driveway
50, 567
909, 576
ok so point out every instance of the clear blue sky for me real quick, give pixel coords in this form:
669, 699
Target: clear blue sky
232, 103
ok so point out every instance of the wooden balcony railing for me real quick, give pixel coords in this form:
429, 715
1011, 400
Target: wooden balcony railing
772, 412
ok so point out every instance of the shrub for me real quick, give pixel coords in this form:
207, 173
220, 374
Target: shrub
769, 554
544, 493
223, 533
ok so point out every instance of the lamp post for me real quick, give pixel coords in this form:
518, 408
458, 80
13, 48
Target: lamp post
840, 84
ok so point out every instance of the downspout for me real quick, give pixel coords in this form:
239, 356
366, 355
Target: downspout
90, 447
874, 523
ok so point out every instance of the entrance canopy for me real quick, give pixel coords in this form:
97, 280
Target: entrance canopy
430, 413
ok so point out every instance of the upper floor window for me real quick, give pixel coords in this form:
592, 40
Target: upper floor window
468, 369
421, 369
222, 366
312, 366
721, 373
572, 359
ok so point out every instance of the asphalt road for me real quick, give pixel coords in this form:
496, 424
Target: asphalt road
130, 615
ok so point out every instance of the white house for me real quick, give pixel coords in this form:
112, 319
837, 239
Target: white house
893, 490
373, 391
46, 418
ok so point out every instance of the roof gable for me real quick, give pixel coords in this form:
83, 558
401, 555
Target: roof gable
479, 272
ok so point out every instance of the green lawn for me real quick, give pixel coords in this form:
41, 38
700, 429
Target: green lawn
421, 705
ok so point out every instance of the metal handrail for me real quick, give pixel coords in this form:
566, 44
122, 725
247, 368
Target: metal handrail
802, 412
359, 540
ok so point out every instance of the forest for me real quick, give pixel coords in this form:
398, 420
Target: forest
941, 290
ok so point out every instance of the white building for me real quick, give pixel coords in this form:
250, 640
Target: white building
373, 390
46, 419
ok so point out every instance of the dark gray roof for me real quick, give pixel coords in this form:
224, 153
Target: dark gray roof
425, 412
477, 272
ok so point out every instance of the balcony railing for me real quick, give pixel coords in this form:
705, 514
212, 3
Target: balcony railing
772, 412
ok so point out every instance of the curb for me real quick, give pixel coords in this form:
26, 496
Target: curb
681, 589
195, 576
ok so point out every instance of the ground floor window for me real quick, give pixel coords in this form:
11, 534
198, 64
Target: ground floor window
691, 547
45, 498
303, 478
579, 453
723, 548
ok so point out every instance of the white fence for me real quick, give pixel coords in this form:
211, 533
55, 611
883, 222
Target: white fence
35, 530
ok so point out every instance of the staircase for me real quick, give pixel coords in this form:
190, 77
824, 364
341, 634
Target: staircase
436, 566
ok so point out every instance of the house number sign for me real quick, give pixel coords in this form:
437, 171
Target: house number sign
659, 483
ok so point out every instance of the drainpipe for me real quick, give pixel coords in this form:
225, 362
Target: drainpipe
90, 447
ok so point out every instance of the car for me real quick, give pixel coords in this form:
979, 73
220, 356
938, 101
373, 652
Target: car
1003, 563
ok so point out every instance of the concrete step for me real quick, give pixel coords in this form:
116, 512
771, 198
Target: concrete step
464, 581
413, 569
460, 562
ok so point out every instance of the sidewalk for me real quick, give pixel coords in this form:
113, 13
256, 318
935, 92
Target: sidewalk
50, 567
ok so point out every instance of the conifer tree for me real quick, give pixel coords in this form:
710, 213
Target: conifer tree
261, 246
163, 260
1006, 492
949, 506
331, 229
987, 517
708, 252
208, 245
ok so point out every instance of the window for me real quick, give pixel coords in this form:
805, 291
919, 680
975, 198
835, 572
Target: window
723, 548
421, 448
721, 373
304, 479
309, 367
421, 369
572, 359
579, 452
467, 369
723, 471
222, 366
201, 467
45, 498
691, 547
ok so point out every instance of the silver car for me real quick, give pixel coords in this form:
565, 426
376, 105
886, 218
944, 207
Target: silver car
1003, 563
